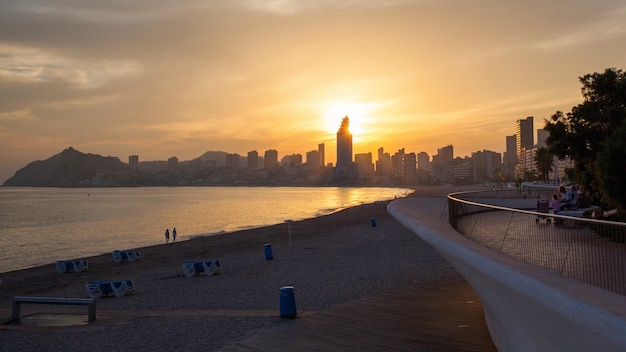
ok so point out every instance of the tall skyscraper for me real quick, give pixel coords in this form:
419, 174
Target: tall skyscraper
271, 159
322, 150
344, 144
313, 159
524, 133
397, 162
364, 164
510, 156
133, 162
232, 160
410, 166
253, 160
423, 161
542, 136
486, 165
383, 164
444, 155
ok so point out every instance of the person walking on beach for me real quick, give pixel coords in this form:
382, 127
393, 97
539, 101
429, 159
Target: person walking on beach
167, 235
174, 235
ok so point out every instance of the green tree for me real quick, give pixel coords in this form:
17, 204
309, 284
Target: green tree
612, 168
583, 133
543, 162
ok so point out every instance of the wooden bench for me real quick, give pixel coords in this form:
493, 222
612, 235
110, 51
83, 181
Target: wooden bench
90, 303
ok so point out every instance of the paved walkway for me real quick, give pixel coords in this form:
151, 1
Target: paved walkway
444, 316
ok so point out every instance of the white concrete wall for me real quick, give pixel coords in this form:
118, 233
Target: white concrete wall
526, 308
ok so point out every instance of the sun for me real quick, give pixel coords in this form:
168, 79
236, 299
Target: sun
358, 113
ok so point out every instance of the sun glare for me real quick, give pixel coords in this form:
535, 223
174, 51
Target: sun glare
336, 111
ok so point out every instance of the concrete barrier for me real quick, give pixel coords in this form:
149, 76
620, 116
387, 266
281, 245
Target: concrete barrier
526, 308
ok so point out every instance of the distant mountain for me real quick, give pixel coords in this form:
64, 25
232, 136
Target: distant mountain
218, 157
71, 168
66, 169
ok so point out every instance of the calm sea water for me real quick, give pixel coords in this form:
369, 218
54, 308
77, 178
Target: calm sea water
42, 225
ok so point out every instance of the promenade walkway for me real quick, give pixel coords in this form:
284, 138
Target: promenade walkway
444, 316
527, 308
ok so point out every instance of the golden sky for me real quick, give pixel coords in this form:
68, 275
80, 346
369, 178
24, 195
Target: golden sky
160, 78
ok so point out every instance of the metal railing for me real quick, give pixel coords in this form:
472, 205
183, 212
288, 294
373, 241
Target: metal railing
589, 250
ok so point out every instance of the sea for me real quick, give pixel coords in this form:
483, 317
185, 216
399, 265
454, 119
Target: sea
39, 226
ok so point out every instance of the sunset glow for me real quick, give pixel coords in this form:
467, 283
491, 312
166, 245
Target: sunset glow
157, 79
360, 115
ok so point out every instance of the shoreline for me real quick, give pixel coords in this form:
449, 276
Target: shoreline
243, 240
332, 260
91, 226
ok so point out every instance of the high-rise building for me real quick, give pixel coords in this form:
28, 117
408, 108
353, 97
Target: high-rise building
293, 160
423, 161
313, 159
133, 163
524, 132
441, 166
232, 160
444, 155
486, 165
397, 162
510, 156
271, 159
410, 166
322, 150
364, 164
542, 136
253, 160
383, 164
344, 144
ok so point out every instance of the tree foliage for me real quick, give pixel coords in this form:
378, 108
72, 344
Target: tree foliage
543, 162
610, 164
589, 129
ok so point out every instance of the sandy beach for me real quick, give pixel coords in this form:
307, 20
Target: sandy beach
330, 261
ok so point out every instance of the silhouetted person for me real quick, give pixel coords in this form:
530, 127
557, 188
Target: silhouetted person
174, 235
167, 235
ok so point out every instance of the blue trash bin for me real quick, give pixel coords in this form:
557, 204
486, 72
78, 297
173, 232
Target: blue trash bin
373, 222
268, 251
287, 302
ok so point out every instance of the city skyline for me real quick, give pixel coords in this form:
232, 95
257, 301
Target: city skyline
158, 80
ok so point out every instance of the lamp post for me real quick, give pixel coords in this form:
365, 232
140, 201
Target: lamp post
288, 222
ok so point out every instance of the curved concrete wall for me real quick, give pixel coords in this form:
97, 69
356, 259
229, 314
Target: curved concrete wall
526, 308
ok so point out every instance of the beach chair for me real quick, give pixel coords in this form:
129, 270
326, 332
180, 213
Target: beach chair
196, 267
121, 288
125, 256
64, 266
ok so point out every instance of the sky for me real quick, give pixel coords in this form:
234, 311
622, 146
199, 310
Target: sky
160, 78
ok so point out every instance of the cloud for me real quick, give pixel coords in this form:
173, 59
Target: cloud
290, 7
18, 115
609, 27
600, 24
112, 11
75, 103
34, 65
